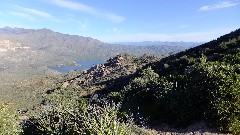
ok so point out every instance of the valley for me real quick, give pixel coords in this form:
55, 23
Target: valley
27, 54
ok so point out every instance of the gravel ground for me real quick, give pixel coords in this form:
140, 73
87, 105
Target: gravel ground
199, 128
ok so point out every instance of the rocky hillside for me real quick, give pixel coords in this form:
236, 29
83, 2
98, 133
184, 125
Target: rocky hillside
115, 72
197, 88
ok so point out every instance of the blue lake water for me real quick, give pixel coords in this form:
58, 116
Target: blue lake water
84, 64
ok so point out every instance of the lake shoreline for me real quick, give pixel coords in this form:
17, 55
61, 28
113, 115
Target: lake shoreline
78, 65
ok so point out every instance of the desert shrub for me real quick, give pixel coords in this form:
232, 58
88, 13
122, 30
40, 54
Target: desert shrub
144, 94
232, 59
8, 122
223, 46
225, 96
114, 96
103, 120
67, 114
205, 91
168, 99
61, 115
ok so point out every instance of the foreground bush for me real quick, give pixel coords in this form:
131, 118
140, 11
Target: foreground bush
222, 85
145, 93
209, 91
68, 114
104, 121
8, 123
60, 115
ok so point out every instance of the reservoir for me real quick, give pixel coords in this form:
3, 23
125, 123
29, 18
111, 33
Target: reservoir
83, 64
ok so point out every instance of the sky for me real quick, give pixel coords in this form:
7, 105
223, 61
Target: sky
126, 20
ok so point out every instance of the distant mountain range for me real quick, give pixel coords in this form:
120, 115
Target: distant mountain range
85, 47
166, 43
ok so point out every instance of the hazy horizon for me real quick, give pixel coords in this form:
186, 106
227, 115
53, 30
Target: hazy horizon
118, 42
126, 21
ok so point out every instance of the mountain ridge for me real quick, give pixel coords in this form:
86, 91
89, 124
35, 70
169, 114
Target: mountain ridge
45, 39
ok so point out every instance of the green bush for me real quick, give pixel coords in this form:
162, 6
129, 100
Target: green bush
8, 122
205, 91
224, 95
104, 121
144, 94
61, 115
68, 114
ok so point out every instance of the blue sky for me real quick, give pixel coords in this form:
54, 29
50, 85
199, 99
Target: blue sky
126, 20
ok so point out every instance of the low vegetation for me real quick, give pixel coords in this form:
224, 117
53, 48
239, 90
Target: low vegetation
184, 99
68, 114
8, 121
201, 83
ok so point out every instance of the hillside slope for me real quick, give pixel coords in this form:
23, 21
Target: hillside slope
214, 50
199, 84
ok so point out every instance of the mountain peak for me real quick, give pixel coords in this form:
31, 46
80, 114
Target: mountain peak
8, 29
